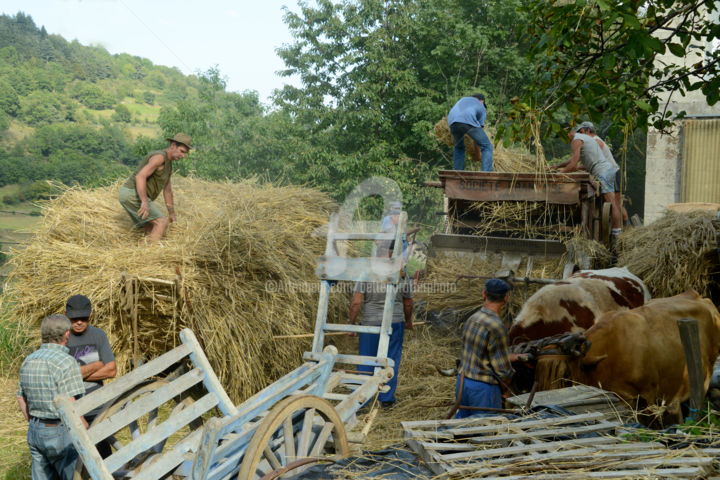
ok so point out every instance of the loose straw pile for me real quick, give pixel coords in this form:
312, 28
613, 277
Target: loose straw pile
674, 253
244, 255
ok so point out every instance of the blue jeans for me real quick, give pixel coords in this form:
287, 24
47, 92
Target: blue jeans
477, 394
458, 131
369, 346
52, 451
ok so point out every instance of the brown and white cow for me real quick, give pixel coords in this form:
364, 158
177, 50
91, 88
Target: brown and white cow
638, 353
573, 304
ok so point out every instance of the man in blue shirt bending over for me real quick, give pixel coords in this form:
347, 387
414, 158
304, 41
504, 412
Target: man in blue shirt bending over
467, 117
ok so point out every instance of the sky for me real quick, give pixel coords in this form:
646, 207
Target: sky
239, 37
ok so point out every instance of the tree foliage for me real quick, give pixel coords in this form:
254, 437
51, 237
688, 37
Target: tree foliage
611, 59
377, 74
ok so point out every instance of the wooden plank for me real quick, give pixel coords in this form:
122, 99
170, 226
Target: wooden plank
362, 394
171, 458
336, 397
557, 445
143, 406
493, 189
160, 432
549, 432
323, 299
453, 422
431, 459
552, 456
640, 473
553, 421
411, 434
564, 397
445, 446
206, 449
114, 389
80, 439
354, 359
346, 327
211, 382
375, 270
593, 460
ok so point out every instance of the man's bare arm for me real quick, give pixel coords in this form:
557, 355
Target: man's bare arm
355, 306
169, 202
108, 370
575, 157
408, 311
90, 368
22, 403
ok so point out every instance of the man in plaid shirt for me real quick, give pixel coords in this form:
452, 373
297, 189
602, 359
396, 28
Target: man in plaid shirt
485, 359
46, 372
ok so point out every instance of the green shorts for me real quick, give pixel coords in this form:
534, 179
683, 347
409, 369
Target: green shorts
129, 199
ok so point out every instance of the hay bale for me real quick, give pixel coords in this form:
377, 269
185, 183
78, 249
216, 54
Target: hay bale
514, 159
245, 258
673, 254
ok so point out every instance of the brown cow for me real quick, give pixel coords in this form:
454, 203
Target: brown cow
638, 353
572, 305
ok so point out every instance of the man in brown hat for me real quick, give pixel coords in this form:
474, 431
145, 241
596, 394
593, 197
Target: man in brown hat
150, 178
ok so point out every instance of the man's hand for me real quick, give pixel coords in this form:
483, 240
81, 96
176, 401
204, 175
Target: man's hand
519, 357
144, 210
171, 216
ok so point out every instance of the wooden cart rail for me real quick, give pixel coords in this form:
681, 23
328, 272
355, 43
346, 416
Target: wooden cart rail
237, 424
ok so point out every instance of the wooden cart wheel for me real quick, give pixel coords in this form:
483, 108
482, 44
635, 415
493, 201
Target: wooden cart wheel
134, 429
606, 223
294, 434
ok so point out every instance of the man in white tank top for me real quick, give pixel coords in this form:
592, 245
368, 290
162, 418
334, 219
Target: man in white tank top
586, 150
590, 130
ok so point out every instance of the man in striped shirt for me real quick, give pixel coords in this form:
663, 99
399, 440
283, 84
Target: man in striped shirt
486, 359
46, 372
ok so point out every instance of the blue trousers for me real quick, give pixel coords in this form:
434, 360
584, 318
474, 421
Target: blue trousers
52, 451
369, 346
477, 394
458, 131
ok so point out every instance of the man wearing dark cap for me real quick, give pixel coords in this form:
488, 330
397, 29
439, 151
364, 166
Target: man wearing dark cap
150, 178
89, 347
485, 359
467, 117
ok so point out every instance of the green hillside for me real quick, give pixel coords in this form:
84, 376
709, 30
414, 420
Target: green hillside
76, 113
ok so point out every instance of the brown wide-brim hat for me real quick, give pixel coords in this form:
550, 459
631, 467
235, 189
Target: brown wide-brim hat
181, 138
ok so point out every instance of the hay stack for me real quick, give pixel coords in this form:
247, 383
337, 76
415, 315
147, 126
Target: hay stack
674, 253
233, 246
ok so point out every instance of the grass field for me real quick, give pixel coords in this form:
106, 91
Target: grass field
15, 229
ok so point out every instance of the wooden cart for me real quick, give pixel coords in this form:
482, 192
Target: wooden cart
161, 424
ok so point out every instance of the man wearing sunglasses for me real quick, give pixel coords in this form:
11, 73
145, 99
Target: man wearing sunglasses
91, 349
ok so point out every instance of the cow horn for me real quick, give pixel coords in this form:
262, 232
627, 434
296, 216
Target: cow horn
445, 372
591, 362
